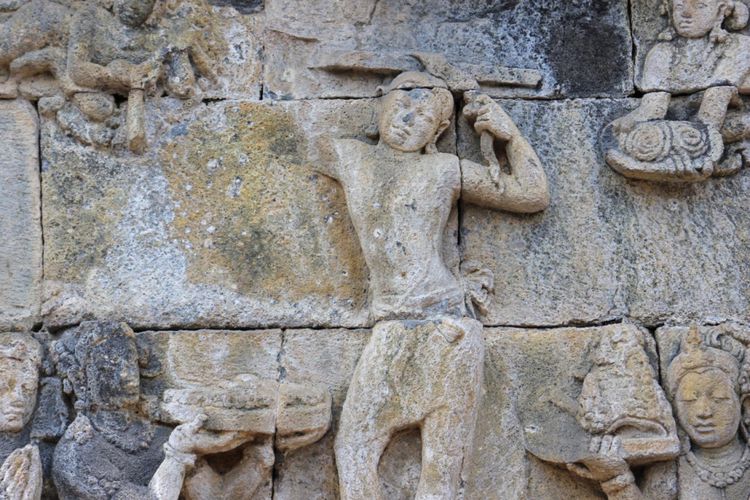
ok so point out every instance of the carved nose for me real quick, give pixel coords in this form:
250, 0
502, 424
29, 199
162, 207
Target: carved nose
704, 409
408, 117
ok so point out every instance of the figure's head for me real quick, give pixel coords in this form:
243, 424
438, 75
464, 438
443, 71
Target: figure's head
698, 18
415, 112
706, 393
20, 358
100, 359
133, 12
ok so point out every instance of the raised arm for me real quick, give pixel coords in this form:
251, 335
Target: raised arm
524, 189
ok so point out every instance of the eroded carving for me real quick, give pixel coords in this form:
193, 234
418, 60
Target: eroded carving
423, 364
621, 397
113, 449
707, 383
20, 470
697, 53
621, 410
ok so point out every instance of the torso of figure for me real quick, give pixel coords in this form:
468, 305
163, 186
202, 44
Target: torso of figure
688, 65
692, 487
113, 40
92, 465
400, 204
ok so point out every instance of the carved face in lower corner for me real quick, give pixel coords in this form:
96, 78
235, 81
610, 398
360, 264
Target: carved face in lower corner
113, 373
708, 408
696, 18
18, 387
411, 119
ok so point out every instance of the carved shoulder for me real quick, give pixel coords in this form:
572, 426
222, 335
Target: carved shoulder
656, 67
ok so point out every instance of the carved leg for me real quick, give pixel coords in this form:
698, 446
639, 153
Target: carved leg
370, 415
443, 445
358, 451
448, 428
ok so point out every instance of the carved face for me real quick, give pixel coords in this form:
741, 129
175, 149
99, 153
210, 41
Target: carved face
411, 119
133, 12
18, 387
708, 408
112, 373
696, 18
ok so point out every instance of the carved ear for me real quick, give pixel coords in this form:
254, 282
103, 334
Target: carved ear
431, 148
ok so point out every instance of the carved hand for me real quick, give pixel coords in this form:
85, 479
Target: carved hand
489, 116
624, 124
191, 438
606, 462
145, 73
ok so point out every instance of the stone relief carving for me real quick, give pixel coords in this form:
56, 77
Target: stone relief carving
21, 470
697, 53
117, 447
112, 449
621, 411
423, 364
706, 382
621, 397
87, 54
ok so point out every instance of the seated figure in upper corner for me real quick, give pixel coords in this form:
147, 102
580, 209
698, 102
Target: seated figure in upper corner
708, 382
695, 54
33, 34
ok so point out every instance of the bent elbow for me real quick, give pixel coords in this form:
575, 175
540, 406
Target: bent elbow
537, 198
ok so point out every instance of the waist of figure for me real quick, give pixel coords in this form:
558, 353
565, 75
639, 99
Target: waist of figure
443, 301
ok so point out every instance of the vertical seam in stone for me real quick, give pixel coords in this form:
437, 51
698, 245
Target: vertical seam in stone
41, 208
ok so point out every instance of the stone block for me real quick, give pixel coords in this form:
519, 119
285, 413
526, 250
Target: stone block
608, 247
222, 222
20, 212
561, 44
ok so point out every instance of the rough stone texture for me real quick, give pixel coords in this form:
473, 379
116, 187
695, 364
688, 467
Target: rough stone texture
561, 42
644, 243
519, 366
212, 228
20, 224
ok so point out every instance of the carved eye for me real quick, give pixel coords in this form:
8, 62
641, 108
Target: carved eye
688, 397
720, 395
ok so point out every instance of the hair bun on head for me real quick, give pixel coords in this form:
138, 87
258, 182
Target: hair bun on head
739, 16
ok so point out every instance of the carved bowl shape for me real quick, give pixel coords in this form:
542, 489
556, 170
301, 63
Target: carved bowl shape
649, 141
690, 139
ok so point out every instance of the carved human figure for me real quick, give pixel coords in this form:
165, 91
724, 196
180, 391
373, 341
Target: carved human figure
708, 384
423, 364
33, 35
21, 469
119, 52
112, 450
695, 54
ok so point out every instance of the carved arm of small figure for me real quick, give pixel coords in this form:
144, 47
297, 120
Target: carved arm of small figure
524, 189
185, 442
607, 467
653, 106
21, 475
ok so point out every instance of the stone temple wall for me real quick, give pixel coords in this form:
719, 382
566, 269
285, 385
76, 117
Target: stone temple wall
374, 249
